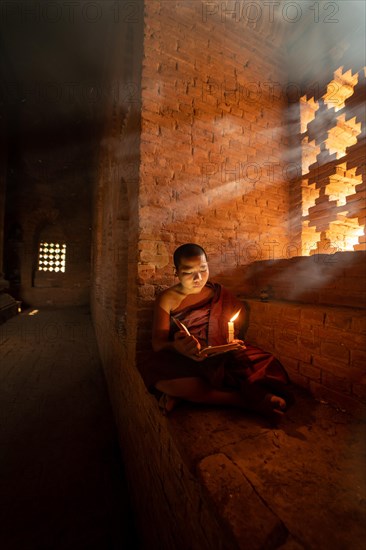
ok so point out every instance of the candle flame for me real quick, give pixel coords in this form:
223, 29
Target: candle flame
234, 317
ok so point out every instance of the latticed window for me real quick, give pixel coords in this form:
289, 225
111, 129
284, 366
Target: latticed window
333, 216
52, 257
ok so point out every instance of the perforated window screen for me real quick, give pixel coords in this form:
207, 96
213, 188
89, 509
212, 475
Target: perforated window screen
331, 188
52, 257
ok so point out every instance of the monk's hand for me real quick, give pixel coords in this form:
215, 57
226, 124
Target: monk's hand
187, 345
237, 341
240, 344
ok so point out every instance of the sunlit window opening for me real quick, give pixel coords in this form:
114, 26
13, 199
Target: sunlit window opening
343, 135
340, 89
332, 201
309, 195
52, 257
308, 108
343, 184
309, 153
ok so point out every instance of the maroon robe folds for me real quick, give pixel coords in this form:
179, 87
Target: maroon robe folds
252, 371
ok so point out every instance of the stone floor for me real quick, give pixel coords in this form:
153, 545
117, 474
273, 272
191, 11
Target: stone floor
294, 485
61, 476
299, 483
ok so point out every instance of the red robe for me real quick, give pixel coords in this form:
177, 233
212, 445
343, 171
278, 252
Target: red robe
252, 371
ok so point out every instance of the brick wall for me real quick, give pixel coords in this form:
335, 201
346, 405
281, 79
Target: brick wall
211, 142
157, 476
314, 321
160, 183
50, 105
197, 157
49, 197
323, 348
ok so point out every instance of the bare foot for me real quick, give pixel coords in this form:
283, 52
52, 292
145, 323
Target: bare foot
276, 403
167, 403
270, 405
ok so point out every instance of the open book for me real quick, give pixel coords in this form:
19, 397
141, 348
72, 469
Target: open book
210, 350
216, 350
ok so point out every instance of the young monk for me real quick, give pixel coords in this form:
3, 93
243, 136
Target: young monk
247, 377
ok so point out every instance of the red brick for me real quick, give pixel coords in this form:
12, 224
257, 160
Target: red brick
292, 365
356, 284
346, 298
354, 340
335, 383
146, 271
329, 363
359, 324
314, 373
287, 332
309, 338
359, 390
294, 352
339, 336
357, 375
346, 402
358, 358
336, 351
299, 380
338, 319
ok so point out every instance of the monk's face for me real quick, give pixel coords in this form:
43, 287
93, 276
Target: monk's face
193, 273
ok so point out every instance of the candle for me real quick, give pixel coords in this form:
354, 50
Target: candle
230, 326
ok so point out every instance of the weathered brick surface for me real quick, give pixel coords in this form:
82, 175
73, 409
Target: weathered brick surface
219, 139
58, 211
198, 158
163, 491
128, 253
319, 350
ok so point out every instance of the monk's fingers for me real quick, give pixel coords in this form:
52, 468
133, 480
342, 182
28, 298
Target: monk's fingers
180, 335
185, 341
198, 358
188, 340
192, 347
192, 343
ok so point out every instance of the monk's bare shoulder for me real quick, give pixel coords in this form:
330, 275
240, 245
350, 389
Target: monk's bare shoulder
169, 299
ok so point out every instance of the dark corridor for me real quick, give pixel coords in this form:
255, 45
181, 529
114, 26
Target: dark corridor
62, 484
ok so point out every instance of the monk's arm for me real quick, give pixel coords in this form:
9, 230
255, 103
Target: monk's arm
186, 345
161, 326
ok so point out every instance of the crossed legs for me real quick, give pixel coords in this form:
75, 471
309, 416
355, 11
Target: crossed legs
198, 390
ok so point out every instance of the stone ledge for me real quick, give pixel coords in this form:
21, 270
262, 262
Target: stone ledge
329, 279
296, 484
